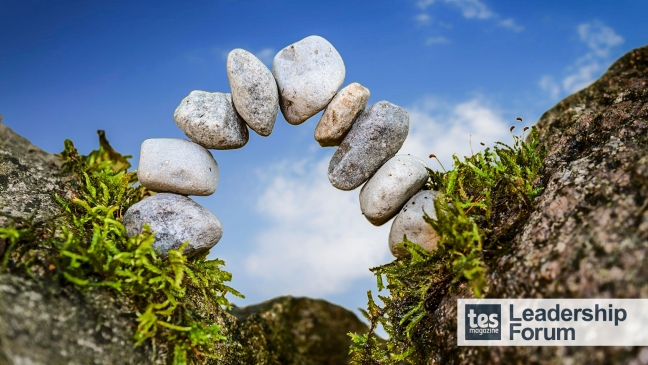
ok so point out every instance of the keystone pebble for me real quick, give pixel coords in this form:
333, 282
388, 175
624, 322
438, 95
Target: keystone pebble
391, 186
340, 114
254, 91
308, 73
174, 219
210, 120
409, 222
374, 138
177, 166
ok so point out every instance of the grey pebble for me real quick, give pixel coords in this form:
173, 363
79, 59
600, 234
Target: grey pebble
308, 74
340, 114
254, 91
409, 222
210, 120
174, 219
374, 138
177, 166
391, 187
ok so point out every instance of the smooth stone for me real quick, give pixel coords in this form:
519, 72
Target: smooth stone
178, 166
174, 219
308, 73
340, 114
391, 187
210, 120
374, 138
254, 91
409, 222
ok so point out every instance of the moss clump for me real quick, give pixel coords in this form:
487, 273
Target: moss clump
176, 301
486, 197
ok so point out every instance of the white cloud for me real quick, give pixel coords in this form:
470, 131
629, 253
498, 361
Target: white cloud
471, 9
318, 243
436, 40
511, 24
266, 55
600, 40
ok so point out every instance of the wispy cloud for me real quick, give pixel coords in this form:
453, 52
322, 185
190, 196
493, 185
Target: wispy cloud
471, 9
422, 19
436, 40
266, 55
599, 39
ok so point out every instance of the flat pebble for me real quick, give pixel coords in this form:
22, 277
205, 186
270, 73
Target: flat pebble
340, 114
254, 91
374, 138
409, 222
210, 120
177, 166
391, 187
308, 73
175, 219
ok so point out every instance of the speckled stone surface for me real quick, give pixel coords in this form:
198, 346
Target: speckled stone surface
390, 187
308, 73
254, 91
175, 219
374, 138
210, 120
177, 166
409, 222
340, 114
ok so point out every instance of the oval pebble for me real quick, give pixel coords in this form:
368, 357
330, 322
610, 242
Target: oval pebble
177, 166
374, 138
409, 222
308, 74
340, 114
391, 187
174, 219
254, 91
210, 120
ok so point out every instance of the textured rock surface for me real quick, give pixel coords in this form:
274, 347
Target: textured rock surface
254, 91
308, 73
340, 114
586, 237
374, 138
409, 222
177, 166
175, 219
391, 187
210, 120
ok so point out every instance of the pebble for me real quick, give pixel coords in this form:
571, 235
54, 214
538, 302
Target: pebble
375, 137
175, 219
177, 166
254, 91
409, 222
391, 187
308, 73
340, 114
210, 120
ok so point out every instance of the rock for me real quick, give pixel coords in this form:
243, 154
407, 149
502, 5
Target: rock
210, 120
409, 222
390, 187
177, 166
374, 138
254, 91
175, 219
308, 74
340, 114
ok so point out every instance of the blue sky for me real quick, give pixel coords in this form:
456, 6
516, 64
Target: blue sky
460, 67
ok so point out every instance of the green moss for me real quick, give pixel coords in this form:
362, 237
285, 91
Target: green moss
177, 300
486, 197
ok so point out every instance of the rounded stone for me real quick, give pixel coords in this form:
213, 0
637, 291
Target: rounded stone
340, 114
210, 120
177, 166
390, 187
410, 223
254, 91
175, 219
308, 74
374, 138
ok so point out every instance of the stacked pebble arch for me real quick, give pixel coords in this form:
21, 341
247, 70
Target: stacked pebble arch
305, 79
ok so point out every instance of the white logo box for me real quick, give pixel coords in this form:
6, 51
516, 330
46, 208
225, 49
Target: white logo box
628, 325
